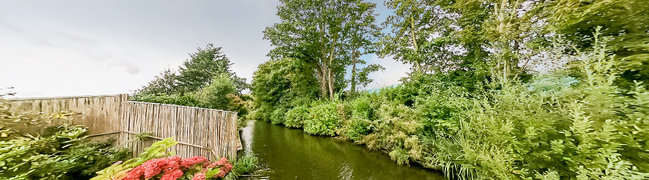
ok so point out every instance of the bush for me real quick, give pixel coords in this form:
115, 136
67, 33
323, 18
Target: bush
60, 153
278, 116
583, 128
357, 128
263, 113
219, 94
295, 117
177, 99
363, 107
323, 119
246, 164
363, 112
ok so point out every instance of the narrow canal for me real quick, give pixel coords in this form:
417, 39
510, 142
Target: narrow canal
291, 154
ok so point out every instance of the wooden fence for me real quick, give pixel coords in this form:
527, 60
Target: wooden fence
200, 132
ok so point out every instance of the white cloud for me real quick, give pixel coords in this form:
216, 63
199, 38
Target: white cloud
393, 72
80, 47
100, 47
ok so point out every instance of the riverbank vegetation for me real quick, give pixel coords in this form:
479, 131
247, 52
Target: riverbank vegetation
498, 89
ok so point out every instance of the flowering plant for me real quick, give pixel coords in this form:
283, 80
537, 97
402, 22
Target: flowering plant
172, 168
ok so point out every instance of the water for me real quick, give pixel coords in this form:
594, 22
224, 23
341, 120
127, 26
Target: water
292, 154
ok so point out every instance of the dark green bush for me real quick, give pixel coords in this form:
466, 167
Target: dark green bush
363, 111
177, 99
61, 153
357, 128
278, 116
295, 117
323, 119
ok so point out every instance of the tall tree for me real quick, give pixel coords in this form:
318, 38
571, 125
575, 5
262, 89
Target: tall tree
317, 32
363, 34
436, 36
283, 83
194, 74
627, 22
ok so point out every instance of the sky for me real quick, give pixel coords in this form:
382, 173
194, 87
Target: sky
92, 47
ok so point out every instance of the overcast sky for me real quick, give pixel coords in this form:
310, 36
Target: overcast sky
90, 47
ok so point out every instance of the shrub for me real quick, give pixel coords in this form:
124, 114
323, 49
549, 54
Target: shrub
295, 117
263, 113
60, 153
357, 128
158, 163
219, 94
323, 119
246, 164
363, 107
589, 130
278, 116
362, 112
177, 99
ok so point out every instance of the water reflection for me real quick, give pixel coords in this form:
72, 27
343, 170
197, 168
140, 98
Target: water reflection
292, 154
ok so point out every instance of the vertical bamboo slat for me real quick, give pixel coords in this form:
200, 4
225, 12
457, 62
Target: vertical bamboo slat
200, 132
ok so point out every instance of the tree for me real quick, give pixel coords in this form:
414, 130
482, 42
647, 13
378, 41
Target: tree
363, 34
195, 73
318, 32
421, 35
626, 22
203, 66
439, 37
218, 94
283, 83
163, 83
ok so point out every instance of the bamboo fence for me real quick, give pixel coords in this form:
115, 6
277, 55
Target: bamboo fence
199, 131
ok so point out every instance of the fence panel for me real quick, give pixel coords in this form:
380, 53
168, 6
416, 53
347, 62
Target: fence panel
200, 132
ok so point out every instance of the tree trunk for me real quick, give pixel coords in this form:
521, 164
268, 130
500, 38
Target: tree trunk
330, 67
331, 85
353, 89
322, 73
414, 42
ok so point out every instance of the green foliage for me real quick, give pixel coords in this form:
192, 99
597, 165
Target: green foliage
246, 164
362, 110
203, 81
177, 99
282, 83
195, 73
119, 170
278, 116
218, 94
357, 128
323, 119
626, 22
474, 107
327, 36
60, 153
296, 117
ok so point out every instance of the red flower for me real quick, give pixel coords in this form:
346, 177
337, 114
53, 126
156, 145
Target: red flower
224, 170
134, 174
172, 168
173, 175
199, 176
189, 162
153, 167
